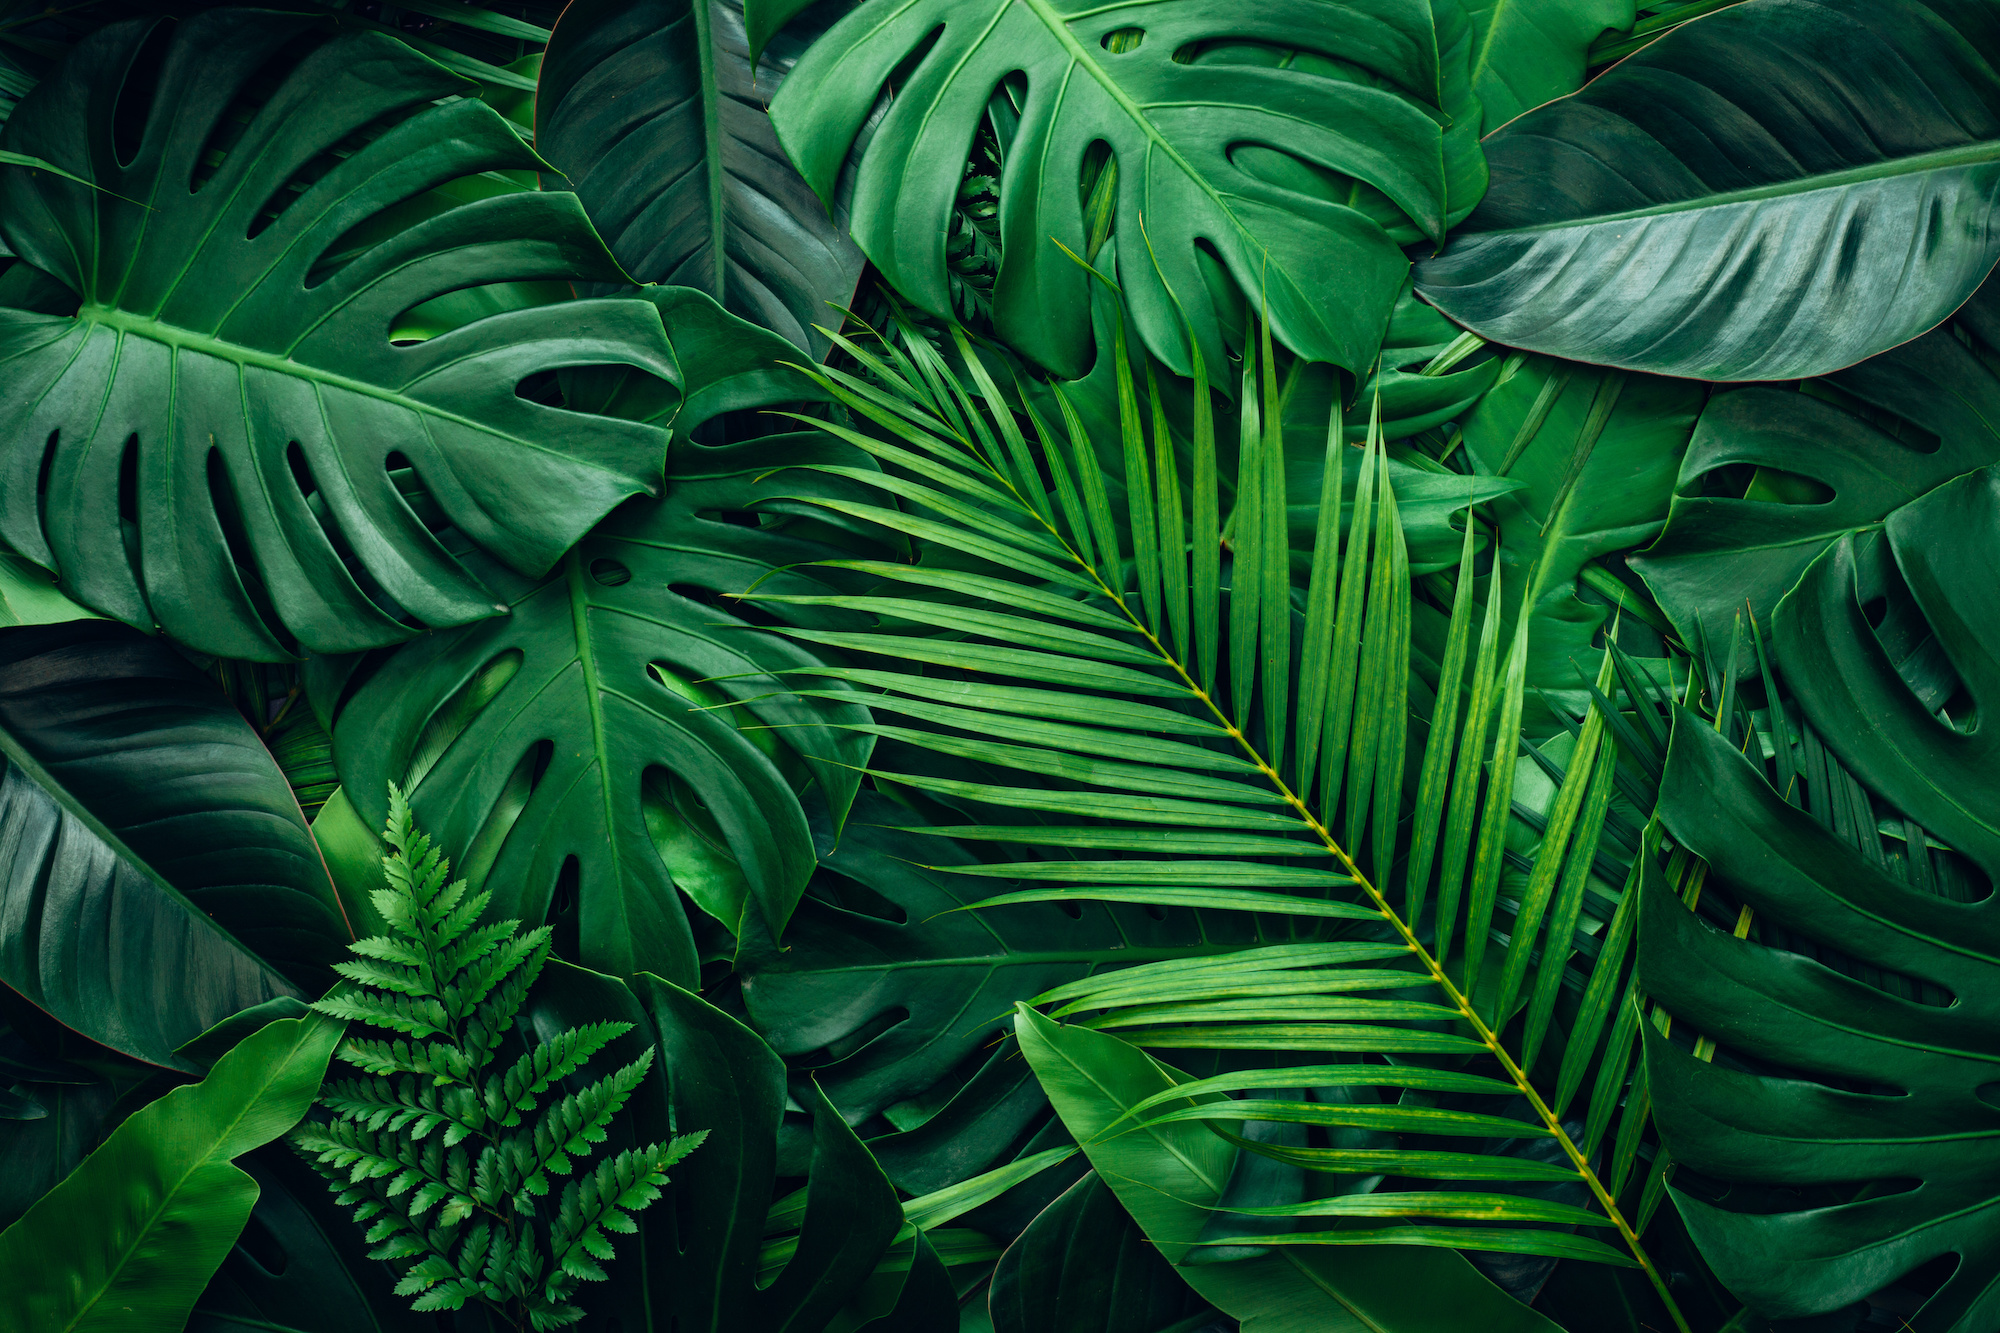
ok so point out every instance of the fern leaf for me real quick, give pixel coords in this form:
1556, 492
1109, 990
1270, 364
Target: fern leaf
414, 1015
605, 1196
445, 1063
491, 1021
567, 1129
491, 967
534, 1073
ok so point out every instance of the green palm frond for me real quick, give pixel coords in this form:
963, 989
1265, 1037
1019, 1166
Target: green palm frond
1189, 729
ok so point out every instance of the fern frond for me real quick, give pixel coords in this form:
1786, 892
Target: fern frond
603, 1199
514, 1095
406, 1103
415, 1015
565, 1130
492, 966
493, 1018
442, 1062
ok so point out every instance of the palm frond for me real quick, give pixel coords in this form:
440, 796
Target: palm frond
1246, 750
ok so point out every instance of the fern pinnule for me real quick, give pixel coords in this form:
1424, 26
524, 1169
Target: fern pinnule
416, 1145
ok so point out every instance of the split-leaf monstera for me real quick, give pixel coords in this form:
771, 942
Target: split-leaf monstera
232, 357
1230, 156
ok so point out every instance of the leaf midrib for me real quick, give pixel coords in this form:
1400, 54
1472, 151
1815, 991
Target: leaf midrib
123, 322
1937, 160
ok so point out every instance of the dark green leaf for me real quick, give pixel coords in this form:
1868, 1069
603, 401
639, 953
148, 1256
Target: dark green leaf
240, 366
1772, 191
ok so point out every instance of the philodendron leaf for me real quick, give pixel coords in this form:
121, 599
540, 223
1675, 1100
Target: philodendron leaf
1775, 190
156, 876
654, 113
128, 1240
1083, 1266
1169, 1176
1242, 130
1527, 52
232, 357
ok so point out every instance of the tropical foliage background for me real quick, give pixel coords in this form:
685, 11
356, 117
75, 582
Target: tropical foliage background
1000, 665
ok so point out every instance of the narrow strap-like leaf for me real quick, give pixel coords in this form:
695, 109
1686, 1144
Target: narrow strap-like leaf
1138, 484
1489, 857
1096, 500
1207, 529
1531, 425
1440, 745
1065, 484
1569, 904
1274, 561
1348, 613
1246, 526
1464, 805
1173, 521
1026, 477
1316, 651
1601, 407
1540, 890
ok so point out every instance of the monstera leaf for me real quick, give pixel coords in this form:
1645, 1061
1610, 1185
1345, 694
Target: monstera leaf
1817, 471
1775, 190
232, 356
577, 756
156, 876
1869, 1084
1527, 52
1236, 155
655, 114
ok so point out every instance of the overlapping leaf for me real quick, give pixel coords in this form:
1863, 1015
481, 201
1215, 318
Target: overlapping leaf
1253, 150
1774, 190
654, 113
159, 875
228, 386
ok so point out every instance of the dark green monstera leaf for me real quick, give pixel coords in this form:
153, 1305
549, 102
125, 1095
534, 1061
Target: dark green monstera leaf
232, 353
1820, 464
1870, 1083
580, 756
156, 876
1775, 190
654, 113
1245, 130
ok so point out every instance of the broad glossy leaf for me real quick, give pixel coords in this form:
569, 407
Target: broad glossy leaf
876, 949
130, 1238
706, 1277
1775, 190
1527, 52
1608, 482
1869, 1086
655, 114
300, 1264
159, 876
227, 364
1823, 468
28, 596
1243, 150
1083, 1266
572, 755
1167, 1177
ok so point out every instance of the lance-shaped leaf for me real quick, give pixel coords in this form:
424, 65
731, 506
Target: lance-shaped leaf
655, 114
129, 1239
1774, 190
158, 876
1220, 142
231, 356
